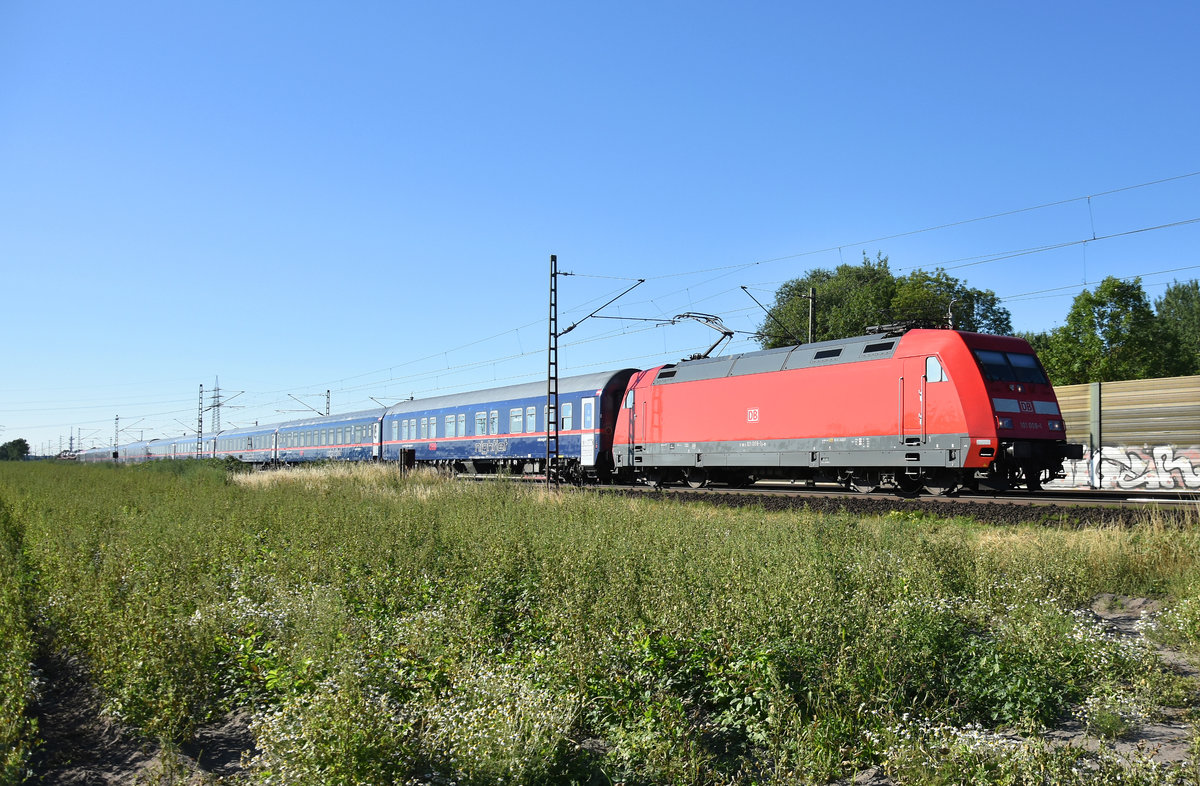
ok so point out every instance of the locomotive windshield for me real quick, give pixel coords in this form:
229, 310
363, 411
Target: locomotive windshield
1010, 367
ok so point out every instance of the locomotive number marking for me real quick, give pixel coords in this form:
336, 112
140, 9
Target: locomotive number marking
752, 415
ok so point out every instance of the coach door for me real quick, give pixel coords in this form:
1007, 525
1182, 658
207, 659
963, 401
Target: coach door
375, 434
587, 440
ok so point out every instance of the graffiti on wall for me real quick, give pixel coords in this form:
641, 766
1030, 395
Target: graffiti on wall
1158, 468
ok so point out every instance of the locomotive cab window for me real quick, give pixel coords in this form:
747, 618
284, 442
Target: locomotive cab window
1010, 367
1027, 368
934, 371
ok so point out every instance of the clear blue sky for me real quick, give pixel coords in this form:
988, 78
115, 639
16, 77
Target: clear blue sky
363, 197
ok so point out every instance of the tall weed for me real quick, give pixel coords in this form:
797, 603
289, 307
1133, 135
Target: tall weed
387, 628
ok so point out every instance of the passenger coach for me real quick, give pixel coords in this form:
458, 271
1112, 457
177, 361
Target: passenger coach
353, 436
504, 429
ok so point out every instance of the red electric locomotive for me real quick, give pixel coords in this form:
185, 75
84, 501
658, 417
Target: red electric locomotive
923, 409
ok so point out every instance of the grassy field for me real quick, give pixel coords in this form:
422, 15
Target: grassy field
388, 630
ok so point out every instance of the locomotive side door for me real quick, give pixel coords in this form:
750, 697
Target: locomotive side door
912, 407
627, 411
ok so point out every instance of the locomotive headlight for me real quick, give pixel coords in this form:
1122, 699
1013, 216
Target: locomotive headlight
1055, 425
1004, 422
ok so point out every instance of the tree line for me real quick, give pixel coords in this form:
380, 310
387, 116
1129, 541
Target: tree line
15, 450
1110, 333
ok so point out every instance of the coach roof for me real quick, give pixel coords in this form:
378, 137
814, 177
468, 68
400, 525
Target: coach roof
584, 383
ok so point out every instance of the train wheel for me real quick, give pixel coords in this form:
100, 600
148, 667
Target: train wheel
863, 482
1033, 479
909, 485
697, 478
942, 483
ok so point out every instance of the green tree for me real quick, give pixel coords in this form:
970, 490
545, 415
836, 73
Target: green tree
852, 297
16, 450
931, 296
849, 298
1112, 334
1179, 309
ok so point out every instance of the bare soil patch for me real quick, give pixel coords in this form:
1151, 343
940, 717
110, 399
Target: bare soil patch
1167, 737
81, 746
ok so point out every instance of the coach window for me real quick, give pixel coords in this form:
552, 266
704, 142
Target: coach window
530, 420
433, 428
462, 425
480, 424
424, 428
494, 422
566, 424
933, 370
516, 421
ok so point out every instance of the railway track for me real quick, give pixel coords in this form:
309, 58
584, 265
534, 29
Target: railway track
1051, 507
